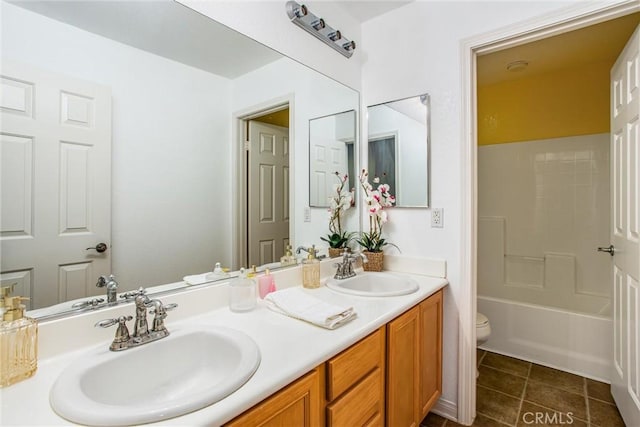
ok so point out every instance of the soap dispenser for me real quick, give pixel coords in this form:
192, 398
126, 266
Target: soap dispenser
266, 284
218, 273
311, 269
18, 340
288, 258
242, 293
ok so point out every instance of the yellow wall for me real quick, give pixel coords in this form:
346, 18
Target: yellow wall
277, 118
567, 102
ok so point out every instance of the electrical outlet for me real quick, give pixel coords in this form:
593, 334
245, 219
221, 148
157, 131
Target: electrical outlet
437, 218
307, 214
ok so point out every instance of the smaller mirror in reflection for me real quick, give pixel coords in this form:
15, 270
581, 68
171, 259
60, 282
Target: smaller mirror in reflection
398, 148
331, 150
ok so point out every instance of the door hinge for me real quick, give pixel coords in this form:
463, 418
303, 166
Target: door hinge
246, 146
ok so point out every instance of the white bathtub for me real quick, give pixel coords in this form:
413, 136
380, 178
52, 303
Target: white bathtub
572, 342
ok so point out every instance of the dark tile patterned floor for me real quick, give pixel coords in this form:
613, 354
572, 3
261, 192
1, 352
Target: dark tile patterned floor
512, 392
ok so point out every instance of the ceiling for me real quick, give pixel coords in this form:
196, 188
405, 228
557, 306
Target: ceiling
363, 11
165, 28
596, 43
193, 39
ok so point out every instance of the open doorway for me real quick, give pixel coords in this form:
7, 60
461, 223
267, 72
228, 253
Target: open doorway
264, 227
544, 192
552, 26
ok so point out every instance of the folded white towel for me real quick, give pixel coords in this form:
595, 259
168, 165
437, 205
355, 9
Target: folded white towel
293, 302
196, 279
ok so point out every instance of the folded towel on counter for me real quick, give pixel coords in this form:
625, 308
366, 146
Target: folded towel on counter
293, 302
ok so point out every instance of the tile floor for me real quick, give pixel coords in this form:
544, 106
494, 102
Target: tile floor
512, 392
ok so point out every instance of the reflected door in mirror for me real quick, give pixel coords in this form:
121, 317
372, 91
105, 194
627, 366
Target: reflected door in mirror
56, 151
268, 193
331, 152
382, 160
398, 150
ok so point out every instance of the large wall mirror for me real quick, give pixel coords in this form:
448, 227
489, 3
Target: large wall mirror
398, 148
331, 152
128, 123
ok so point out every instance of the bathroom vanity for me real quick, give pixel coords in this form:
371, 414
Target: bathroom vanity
394, 374
384, 367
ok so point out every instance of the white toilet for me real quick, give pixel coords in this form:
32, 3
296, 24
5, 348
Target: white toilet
483, 330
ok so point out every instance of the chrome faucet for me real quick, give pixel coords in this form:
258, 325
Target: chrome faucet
311, 250
141, 328
112, 287
141, 332
344, 269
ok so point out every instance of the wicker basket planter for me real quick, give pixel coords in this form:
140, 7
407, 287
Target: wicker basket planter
335, 252
375, 261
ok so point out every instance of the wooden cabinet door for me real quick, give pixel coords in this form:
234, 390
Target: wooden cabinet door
430, 352
403, 337
296, 405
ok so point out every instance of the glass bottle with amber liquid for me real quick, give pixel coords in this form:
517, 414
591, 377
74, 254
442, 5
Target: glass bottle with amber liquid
18, 340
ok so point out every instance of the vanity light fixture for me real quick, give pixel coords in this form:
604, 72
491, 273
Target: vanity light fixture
300, 15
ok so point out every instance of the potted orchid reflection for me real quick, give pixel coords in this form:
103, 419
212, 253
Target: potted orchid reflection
376, 200
339, 202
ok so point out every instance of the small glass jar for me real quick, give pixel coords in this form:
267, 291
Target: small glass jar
242, 293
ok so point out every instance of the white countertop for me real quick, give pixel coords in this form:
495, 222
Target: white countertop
289, 348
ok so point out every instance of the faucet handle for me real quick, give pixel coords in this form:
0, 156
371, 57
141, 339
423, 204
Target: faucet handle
110, 322
121, 340
89, 303
360, 254
102, 281
160, 311
167, 307
133, 294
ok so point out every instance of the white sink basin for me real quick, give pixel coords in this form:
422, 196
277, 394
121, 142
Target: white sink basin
372, 284
188, 370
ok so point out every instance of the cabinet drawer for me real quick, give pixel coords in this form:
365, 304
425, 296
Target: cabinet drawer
353, 364
361, 406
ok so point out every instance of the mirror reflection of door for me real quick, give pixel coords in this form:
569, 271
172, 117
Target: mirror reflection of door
331, 152
383, 161
399, 146
268, 189
55, 184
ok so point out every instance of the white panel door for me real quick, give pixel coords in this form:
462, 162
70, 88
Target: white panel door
55, 186
625, 215
328, 155
268, 193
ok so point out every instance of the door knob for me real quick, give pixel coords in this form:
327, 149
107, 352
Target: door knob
100, 247
609, 249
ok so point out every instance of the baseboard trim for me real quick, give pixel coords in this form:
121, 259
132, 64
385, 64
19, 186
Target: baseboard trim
446, 408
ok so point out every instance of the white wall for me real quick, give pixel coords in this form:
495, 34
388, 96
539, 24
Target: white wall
170, 133
267, 22
314, 95
412, 50
543, 210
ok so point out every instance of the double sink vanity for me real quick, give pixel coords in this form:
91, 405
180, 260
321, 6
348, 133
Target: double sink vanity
218, 367
200, 363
